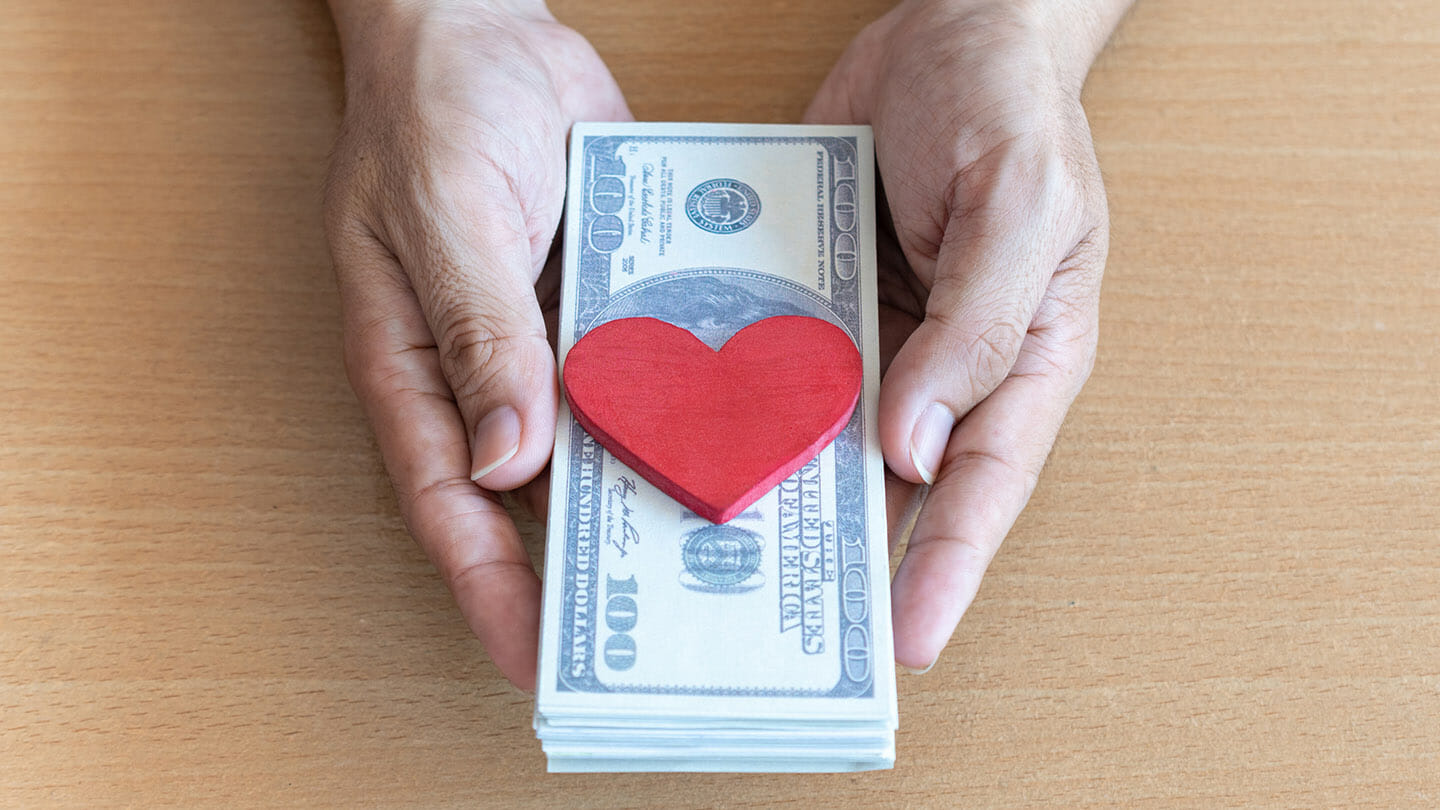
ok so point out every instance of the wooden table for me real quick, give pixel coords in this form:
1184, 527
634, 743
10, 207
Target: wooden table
1226, 591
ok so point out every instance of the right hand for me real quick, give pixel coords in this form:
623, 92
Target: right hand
443, 199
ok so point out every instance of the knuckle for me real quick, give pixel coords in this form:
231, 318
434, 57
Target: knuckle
379, 369
431, 499
381, 386
473, 354
1048, 182
1064, 360
989, 352
982, 515
954, 536
995, 348
431, 509
469, 355
484, 571
991, 465
1069, 341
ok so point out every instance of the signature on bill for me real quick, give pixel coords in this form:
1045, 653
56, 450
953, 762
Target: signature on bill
618, 508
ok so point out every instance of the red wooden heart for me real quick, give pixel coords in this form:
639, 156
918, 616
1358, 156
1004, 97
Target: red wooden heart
714, 430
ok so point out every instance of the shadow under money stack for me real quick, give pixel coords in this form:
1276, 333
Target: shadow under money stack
716, 579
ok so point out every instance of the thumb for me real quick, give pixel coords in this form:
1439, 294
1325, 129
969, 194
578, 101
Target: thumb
471, 265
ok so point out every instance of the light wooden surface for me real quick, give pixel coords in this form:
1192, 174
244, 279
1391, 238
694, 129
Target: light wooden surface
1226, 591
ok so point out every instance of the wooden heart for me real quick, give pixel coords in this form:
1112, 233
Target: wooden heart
714, 430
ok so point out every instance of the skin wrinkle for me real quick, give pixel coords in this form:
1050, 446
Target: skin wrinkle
456, 314
455, 298
966, 290
472, 571
1055, 355
493, 166
465, 325
392, 339
479, 369
1070, 359
1064, 344
487, 507
376, 266
996, 184
931, 534
362, 354
420, 499
389, 386
978, 456
921, 242
1068, 307
975, 281
1004, 439
991, 354
449, 213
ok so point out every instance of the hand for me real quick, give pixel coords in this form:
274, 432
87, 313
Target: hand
989, 286
443, 200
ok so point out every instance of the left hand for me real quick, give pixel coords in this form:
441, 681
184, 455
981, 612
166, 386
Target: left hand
989, 292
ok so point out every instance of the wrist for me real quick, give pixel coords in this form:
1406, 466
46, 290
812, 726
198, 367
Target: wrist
1077, 31
1072, 32
368, 28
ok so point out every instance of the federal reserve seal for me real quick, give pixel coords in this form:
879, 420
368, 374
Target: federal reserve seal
722, 205
721, 559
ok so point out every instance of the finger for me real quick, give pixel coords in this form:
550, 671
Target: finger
991, 273
394, 367
469, 256
990, 468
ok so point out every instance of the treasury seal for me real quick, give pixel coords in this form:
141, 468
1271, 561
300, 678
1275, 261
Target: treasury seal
721, 559
722, 205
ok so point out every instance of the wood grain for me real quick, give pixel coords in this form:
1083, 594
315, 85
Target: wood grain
1226, 591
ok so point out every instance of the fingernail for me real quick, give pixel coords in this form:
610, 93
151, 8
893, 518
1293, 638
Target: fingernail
914, 671
497, 438
927, 443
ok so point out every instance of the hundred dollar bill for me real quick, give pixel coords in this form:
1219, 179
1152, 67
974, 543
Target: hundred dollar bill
779, 618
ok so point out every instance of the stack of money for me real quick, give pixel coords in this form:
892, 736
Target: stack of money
670, 643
